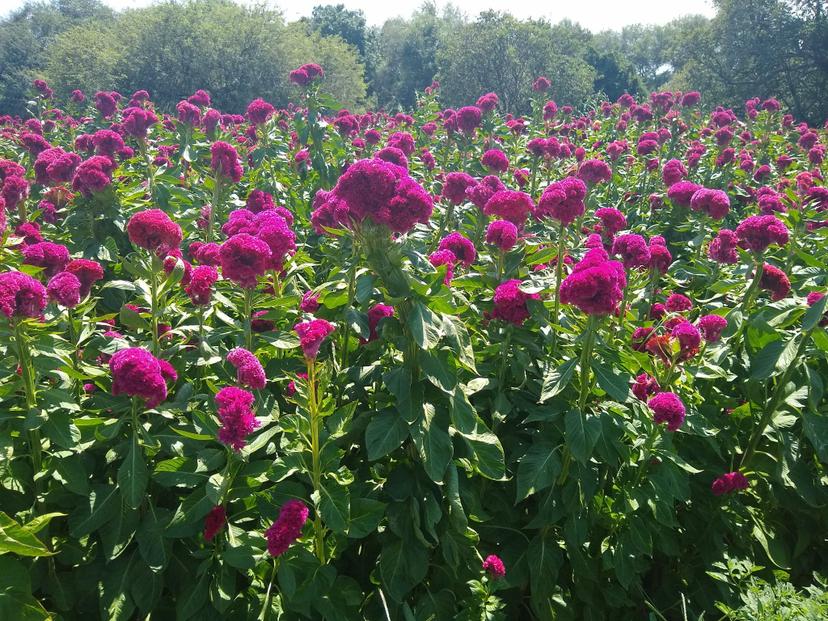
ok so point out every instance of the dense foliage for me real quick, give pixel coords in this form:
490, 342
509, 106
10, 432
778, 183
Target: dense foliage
452, 364
749, 48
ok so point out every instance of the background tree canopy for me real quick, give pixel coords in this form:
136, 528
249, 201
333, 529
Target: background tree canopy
750, 48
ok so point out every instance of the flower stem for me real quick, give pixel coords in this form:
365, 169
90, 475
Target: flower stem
264, 615
648, 449
346, 332
316, 473
29, 389
584, 364
248, 319
214, 206
559, 262
754, 286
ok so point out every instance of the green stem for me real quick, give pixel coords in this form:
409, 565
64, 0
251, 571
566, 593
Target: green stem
773, 404
446, 221
316, 473
559, 263
648, 448
754, 286
264, 615
248, 319
214, 206
30, 391
584, 365
154, 303
346, 332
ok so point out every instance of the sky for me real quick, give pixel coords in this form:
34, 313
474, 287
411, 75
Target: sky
596, 15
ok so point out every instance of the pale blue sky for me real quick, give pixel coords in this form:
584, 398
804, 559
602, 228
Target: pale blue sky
593, 14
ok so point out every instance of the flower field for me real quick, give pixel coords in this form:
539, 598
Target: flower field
306, 363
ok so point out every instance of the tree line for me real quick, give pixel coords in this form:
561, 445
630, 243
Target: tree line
750, 48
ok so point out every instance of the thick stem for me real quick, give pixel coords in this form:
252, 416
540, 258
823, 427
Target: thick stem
248, 319
316, 463
754, 286
264, 615
559, 263
214, 206
584, 364
27, 374
346, 332
446, 221
648, 449
154, 303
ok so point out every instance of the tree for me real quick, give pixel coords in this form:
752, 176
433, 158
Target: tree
334, 20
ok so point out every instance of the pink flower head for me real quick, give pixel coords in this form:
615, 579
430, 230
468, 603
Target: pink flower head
668, 408
88, 273
723, 247
711, 327
287, 528
259, 111
64, 288
541, 84
776, 281
461, 246
494, 567
311, 335
495, 160
502, 234
93, 175
612, 220
199, 289
377, 313
510, 205
481, 192
594, 171
454, 186
714, 203
137, 373
644, 387
595, 285
689, 339
678, 303
237, 418
214, 522
137, 121
759, 232
673, 172
249, 371
444, 257
152, 229
14, 190
640, 336
632, 249
309, 303
681, 193
243, 259
105, 104
510, 302
224, 160
21, 295
729, 482
53, 258
660, 257
563, 201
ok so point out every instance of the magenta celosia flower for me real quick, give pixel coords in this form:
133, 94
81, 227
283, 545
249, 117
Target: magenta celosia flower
678, 303
689, 339
644, 386
723, 247
468, 118
632, 249
64, 288
105, 104
383, 193
729, 482
454, 186
461, 246
152, 229
259, 200
377, 313
595, 285
243, 259
660, 257
594, 171
199, 288
214, 522
88, 272
481, 192
668, 408
402, 141
681, 193
237, 418
21, 295
259, 111
312, 334
224, 160
541, 84
714, 203
673, 172
711, 327
188, 113
612, 220
272, 229
309, 303
287, 528
53, 258
137, 373
329, 211
493, 566
14, 191
487, 102
137, 121
640, 336
392, 155
510, 302
502, 234
249, 371
55, 166
562, 200
758, 232
495, 160
776, 281
93, 175
510, 205
447, 258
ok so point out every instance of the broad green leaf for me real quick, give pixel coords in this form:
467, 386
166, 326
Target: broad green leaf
20, 540
815, 427
537, 469
582, 433
366, 514
101, 506
556, 379
425, 326
430, 435
615, 384
402, 567
386, 431
334, 505
814, 314
133, 475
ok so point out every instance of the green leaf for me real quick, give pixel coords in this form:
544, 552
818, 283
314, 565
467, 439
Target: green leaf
386, 431
133, 320
815, 427
16, 600
19, 539
193, 599
788, 355
402, 567
544, 559
582, 432
60, 429
334, 505
430, 436
616, 385
458, 338
763, 364
556, 379
366, 514
488, 452
133, 475
814, 314
425, 326
101, 506
537, 469
150, 538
